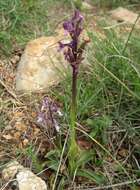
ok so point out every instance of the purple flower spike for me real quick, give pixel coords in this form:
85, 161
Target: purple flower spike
45, 103
49, 114
73, 53
72, 50
41, 118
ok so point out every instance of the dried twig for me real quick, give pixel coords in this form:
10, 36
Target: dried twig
6, 88
137, 163
109, 186
5, 185
130, 34
9, 91
130, 153
119, 147
121, 130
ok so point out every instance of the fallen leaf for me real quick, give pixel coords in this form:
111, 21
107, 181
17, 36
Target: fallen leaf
123, 152
25, 142
36, 131
17, 135
8, 137
20, 126
18, 114
84, 144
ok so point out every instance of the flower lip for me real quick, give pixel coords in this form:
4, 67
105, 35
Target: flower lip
68, 26
73, 25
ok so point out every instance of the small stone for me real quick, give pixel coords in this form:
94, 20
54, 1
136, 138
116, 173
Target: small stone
29, 181
8, 137
11, 170
15, 59
25, 142
26, 180
124, 15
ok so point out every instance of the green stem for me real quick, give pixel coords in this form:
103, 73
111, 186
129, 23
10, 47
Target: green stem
73, 103
73, 149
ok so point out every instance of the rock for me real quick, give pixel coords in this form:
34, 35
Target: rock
11, 170
86, 6
26, 180
41, 65
122, 14
29, 181
83, 5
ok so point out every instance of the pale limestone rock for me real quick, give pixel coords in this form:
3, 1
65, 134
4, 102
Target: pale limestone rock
11, 170
83, 5
122, 14
29, 181
26, 180
41, 65
86, 6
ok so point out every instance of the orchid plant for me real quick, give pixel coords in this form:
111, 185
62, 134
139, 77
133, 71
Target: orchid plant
73, 53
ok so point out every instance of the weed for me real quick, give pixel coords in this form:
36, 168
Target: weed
31, 158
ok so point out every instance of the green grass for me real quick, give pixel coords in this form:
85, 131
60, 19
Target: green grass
21, 21
108, 92
112, 81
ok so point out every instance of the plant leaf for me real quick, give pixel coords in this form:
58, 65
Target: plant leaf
85, 156
62, 183
53, 153
93, 176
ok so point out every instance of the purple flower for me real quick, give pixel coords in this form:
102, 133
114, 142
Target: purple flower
72, 50
48, 114
68, 26
41, 118
49, 104
61, 45
74, 26
45, 103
